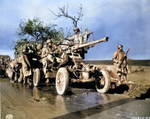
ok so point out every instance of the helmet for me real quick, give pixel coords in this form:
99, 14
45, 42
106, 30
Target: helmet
119, 46
49, 41
76, 29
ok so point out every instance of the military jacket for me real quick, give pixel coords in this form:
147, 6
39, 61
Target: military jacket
118, 56
76, 38
54, 51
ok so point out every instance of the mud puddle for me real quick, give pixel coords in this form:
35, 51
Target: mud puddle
28, 102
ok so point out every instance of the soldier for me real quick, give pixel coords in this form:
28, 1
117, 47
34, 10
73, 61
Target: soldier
77, 39
39, 49
25, 58
47, 57
120, 61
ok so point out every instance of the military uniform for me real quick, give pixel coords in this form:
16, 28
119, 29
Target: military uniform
76, 38
26, 57
39, 49
50, 56
120, 61
26, 66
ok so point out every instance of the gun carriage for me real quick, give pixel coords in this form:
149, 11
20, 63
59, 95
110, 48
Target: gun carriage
75, 70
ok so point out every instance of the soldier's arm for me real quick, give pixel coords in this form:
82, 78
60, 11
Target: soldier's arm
70, 38
56, 51
115, 57
43, 54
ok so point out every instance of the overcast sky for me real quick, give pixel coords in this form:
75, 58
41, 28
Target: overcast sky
125, 22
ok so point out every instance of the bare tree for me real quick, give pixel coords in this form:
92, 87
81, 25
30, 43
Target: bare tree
63, 12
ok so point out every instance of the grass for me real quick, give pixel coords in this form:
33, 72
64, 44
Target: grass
139, 76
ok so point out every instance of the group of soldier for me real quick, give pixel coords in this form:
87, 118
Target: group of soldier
50, 54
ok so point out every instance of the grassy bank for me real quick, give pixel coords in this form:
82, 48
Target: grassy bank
110, 62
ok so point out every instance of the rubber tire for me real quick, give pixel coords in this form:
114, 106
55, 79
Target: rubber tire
62, 81
36, 77
107, 82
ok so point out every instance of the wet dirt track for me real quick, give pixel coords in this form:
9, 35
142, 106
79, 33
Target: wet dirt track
25, 102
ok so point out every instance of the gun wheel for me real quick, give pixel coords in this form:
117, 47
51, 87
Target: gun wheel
36, 77
62, 81
103, 83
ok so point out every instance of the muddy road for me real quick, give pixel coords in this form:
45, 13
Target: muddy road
26, 102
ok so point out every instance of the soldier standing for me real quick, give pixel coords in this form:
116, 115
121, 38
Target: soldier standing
120, 61
77, 39
25, 59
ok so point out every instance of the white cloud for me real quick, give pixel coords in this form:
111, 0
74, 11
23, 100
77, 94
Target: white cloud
120, 19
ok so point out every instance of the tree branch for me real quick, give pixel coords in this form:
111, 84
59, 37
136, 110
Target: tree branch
63, 12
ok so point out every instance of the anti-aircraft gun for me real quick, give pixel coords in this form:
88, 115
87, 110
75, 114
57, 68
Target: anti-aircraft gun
73, 70
70, 69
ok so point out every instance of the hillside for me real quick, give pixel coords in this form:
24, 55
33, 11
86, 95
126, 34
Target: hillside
110, 62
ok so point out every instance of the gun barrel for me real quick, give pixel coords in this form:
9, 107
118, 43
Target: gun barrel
90, 43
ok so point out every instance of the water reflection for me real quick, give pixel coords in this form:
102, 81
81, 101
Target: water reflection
35, 92
47, 93
79, 103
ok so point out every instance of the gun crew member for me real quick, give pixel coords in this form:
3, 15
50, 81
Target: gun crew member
49, 57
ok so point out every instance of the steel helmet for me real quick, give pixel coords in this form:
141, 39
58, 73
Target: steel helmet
76, 29
49, 41
119, 46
